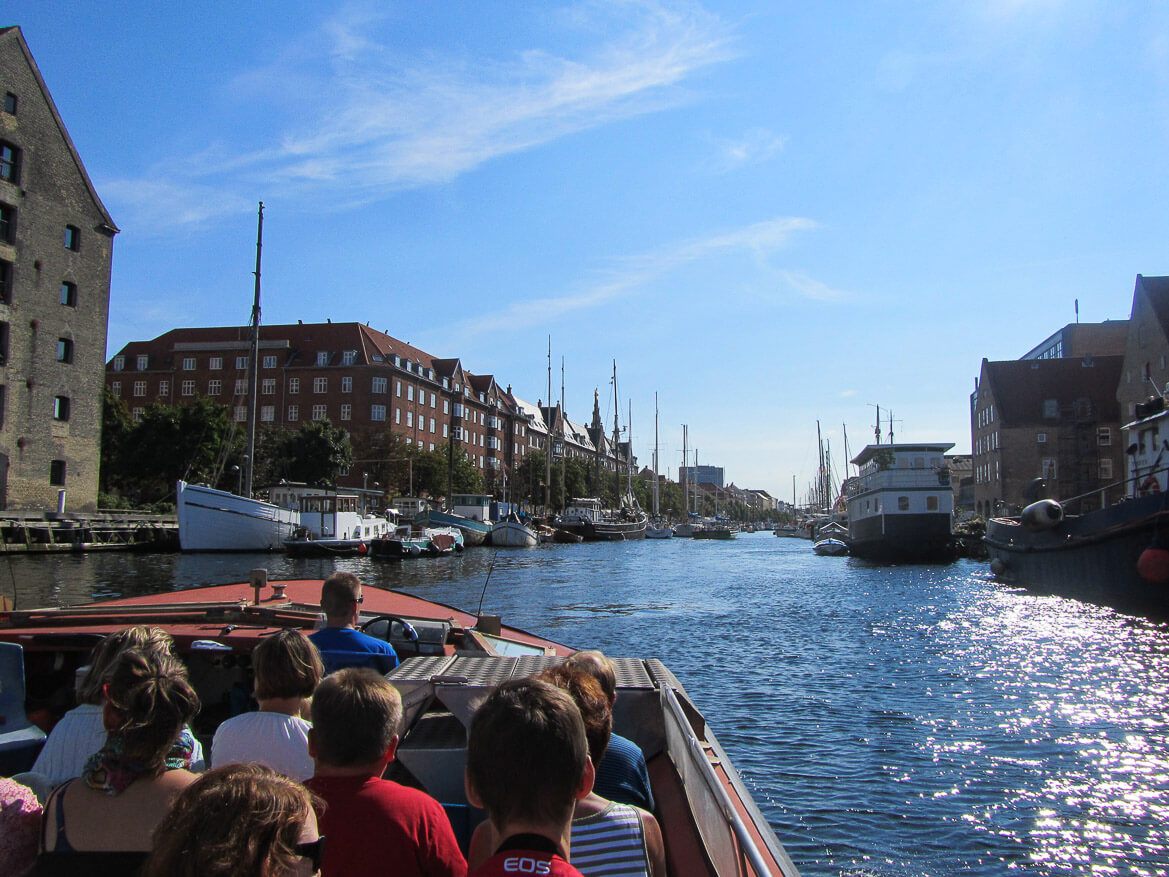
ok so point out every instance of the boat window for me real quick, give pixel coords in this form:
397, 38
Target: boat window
919, 462
931, 503
903, 503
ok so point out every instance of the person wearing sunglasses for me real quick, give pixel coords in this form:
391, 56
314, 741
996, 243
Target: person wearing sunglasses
241, 819
340, 643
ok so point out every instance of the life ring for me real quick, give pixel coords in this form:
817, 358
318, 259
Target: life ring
1150, 485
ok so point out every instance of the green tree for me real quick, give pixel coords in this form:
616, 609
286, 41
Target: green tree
115, 428
316, 453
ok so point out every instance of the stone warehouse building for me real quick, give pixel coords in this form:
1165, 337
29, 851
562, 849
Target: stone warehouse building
362, 380
56, 243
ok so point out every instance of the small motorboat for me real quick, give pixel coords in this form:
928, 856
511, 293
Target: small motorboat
830, 547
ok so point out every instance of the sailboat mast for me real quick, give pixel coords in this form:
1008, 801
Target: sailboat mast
548, 456
685, 478
655, 455
254, 360
616, 434
563, 444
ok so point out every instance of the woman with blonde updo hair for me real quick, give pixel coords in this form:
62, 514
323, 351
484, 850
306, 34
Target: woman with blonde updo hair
242, 819
128, 785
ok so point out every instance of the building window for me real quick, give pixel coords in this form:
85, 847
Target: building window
346, 385
9, 163
1041, 438
268, 413
164, 388
349, 357
10, 103
397, 415
346, 411
241, 386
143, 363
432, 424
320, 385
241, 413
1104, 437
72, 238
68, 294
60, 408
140, 388
294, 385
378, 385
322, 357
398, 389
187, 388
7, 224
319, 412
410, 393
445, 429
57, 473
215, 363
188, 363
119, 363
269, 362
5, 281
136, 415
433, 400
116, 388
1050, 408
293, 413
1049, 469
410, 418
1105, 469
268, 387
241, 363
214, 388
377, 412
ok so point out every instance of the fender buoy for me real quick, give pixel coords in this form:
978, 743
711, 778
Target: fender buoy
1150, 485
362, 549
1042, 515
1153, 565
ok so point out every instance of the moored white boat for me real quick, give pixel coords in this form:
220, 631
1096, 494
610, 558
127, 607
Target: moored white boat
215, 520
830, 547
512, 533
331, 524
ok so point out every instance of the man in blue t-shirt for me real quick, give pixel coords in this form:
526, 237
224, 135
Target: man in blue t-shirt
340, 642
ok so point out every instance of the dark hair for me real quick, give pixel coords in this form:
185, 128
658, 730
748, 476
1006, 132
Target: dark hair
356, 714
151, 701
153, 640
598, 666
526, 752
241, 819
590, 699
286, 664
338, 592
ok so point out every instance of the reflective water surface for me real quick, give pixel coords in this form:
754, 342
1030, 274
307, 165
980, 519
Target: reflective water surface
890, 720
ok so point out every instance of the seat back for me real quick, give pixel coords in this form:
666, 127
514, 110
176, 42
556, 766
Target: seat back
340, 660
20, 739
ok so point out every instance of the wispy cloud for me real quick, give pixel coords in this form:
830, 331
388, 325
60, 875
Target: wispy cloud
757, 242
398, 121
753, 147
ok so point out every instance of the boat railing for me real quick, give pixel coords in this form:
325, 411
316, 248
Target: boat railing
699, 779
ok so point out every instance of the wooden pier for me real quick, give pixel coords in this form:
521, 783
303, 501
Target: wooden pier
40, 532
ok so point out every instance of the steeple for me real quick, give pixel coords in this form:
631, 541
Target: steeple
596, 424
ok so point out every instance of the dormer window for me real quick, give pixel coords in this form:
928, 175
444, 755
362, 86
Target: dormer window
349, 357
322, 357
119, 363
143, 362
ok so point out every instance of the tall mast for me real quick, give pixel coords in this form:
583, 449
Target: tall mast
616, 434
548, 456
563, 444
655, 455
685, 478
254, 359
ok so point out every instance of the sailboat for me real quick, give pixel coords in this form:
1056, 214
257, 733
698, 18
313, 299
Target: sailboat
687, 528
657, 528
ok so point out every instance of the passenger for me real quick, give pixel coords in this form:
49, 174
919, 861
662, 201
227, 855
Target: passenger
340, 643
244, 820
127, 786
374, 826
527, 765
607, 837
20, 828
287, 669
81, 731
622, 775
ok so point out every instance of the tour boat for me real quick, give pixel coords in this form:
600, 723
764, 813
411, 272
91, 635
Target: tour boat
216, 520
450, 660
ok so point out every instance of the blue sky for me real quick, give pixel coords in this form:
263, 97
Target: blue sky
768, 214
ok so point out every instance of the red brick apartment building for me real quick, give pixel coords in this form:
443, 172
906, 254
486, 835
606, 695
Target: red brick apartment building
360, 379
56, 242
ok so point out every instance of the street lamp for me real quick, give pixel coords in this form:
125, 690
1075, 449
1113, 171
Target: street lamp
239, 480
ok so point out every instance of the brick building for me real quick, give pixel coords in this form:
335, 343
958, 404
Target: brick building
1146, 354
1052, 418
56, 243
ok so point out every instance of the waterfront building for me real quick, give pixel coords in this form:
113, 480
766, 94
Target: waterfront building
1083, 339
56, 244
1056, 419
1146, 353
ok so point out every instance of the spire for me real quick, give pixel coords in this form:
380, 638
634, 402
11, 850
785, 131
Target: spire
596, 424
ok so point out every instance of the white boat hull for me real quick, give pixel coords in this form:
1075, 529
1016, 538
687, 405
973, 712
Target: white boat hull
509, 534
215, 520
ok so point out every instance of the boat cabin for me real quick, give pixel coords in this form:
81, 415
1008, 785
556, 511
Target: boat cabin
338, 516
1148, 449
410, 506
475, 506
583, 509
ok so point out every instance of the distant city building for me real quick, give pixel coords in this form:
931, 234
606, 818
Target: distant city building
56, 242
703, 475
1083, 339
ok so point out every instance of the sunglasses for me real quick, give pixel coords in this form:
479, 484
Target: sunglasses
314, 851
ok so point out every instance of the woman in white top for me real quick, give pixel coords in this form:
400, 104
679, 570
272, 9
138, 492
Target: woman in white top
287, 668
81, 732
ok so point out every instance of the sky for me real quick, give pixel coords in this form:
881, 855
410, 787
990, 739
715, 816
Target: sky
767, 214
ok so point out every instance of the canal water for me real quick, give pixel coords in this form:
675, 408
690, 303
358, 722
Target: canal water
890, 720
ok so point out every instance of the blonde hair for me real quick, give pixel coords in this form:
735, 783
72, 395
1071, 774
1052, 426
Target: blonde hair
151, 701
151, 640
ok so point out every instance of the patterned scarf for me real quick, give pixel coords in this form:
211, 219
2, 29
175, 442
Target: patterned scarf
109, 770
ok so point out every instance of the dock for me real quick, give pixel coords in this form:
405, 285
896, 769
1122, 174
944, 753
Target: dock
35, 532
